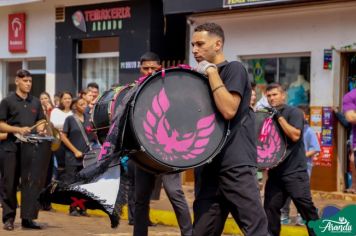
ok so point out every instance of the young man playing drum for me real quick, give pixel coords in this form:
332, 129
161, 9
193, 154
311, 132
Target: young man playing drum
228, 183
145, 182
18, 112
290, 177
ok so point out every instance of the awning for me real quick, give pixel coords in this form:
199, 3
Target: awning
16, 2
198, 6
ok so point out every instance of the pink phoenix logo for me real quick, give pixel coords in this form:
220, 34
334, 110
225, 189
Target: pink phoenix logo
269, 143
169, 143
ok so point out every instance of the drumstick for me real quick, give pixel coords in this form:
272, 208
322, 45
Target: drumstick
38, 123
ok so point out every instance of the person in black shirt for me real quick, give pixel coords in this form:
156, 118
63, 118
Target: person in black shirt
77, 139
229, 182
144, 182
18, 112
290, 177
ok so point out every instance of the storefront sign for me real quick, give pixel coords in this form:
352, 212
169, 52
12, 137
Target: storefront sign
327, 136
17, 32
327, 127
328, 59
101, 19
321, 120
316, 118
324, 158
129, 64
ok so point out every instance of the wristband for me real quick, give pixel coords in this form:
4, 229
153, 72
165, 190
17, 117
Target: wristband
220, 86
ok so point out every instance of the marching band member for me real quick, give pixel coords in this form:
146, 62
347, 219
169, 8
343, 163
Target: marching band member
290, 177
18, 112
228, 183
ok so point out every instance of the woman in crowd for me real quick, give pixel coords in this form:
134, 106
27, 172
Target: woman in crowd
58, 116
77, 138
46, 103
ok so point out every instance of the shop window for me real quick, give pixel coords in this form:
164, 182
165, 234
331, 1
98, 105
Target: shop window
292, 72
98, 60
103, 71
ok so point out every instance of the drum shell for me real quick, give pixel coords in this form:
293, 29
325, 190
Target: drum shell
104, 110
184, 88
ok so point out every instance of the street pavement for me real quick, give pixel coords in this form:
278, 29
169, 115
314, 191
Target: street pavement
58, 222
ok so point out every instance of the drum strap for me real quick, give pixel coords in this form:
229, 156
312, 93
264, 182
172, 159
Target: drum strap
84, 134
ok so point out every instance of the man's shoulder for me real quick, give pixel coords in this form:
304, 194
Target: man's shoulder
291, 110
235, 64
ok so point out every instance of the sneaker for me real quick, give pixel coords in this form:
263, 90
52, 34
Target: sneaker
74, 212
299, 221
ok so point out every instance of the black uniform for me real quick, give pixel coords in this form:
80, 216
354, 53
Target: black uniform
24, 160
229, 183
72, 164
290, 178
145, 183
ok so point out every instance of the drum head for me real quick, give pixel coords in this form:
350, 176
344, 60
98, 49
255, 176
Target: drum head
271, 147
175, 120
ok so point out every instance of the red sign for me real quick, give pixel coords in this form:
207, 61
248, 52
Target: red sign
108, 14
17, 32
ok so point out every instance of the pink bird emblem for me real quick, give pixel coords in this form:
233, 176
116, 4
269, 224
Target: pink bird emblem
168, 142
269, 143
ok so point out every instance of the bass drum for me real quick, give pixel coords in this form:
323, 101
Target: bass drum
271, 141
104, 110
174, 124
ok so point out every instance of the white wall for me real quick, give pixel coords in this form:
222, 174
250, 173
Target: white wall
40, 34
304, 29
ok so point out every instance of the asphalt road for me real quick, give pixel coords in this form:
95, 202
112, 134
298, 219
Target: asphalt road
58, 223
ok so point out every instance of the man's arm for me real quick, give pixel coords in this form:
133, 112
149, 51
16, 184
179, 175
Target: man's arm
70, 146
351, 116
3, 136
311, 153
289, 130
226, 102
5, 128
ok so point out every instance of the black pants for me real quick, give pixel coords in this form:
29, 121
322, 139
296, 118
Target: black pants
278, 188
29, 163
145, 183
131, 193
219, 192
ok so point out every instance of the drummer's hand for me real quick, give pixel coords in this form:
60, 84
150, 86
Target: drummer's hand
276, 113
42, 131
78, 154
23, 130
203, 67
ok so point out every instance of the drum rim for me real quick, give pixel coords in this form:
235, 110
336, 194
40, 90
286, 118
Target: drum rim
142, 148
284, 152
117, 90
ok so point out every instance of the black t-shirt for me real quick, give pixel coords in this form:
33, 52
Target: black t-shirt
16, 111
240, 147
295, 159
75, 136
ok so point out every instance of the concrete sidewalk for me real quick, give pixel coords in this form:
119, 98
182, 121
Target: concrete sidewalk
162, 211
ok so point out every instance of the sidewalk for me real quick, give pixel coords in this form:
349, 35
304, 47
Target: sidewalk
162, 211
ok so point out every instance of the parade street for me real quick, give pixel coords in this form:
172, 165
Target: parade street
59, 223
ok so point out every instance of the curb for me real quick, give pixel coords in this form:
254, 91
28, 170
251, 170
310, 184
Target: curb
168, 218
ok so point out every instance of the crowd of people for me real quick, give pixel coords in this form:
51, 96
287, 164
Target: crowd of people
228, 184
